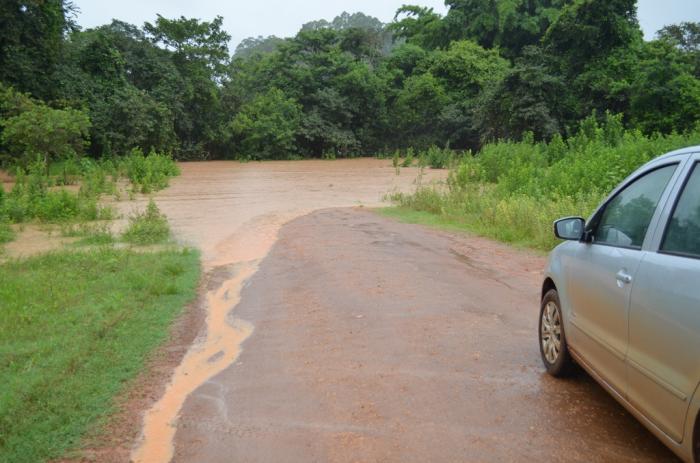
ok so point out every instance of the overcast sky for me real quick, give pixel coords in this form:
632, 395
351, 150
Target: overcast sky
283, 18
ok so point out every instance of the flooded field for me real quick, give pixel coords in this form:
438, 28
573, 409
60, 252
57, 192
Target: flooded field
213, 203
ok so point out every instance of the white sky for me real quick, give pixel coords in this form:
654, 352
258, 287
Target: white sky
283, 18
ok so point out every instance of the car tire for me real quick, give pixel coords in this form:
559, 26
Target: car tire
553, 347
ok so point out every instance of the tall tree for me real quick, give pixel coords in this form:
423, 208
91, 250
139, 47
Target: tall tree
686, 36
477, 20
200, 53
31, 38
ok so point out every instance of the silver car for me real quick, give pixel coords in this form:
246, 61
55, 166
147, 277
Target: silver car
621, 297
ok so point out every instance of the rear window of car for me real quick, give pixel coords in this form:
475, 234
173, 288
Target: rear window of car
683, 230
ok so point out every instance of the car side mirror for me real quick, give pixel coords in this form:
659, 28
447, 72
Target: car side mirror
569, 228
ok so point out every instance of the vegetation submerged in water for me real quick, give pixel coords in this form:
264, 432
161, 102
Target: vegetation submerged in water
513, 191
39, 193
76, 327
148, 227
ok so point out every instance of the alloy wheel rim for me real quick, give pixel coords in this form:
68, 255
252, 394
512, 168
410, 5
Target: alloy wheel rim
550, 329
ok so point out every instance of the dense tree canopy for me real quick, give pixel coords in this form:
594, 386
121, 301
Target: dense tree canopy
349, 86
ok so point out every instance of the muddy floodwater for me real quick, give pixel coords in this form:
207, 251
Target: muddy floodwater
233, 212
212, 204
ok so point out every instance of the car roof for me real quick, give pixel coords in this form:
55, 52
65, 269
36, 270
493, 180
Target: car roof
680, 152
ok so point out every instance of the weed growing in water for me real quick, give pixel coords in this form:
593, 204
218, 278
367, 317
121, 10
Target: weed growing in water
409, 159
148, 173
148, 227
396, 162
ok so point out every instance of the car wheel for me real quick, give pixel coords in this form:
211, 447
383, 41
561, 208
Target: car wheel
555, 353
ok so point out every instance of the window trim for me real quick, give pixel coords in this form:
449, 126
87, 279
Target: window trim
595, 220
667, 226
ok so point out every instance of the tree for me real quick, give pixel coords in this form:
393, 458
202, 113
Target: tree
417, 109
193, 41
587, 30
43, 131
420, 26
129, 86
525, 22
529, 98
686, 36
31, 38
665, 93
200, 54
592, 45
477, 20
266, 127
465, 70
259, 44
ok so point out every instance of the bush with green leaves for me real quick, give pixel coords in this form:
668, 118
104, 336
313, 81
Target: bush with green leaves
147, 227
148, 173
513, 191
40, 130
7, 234
436, 157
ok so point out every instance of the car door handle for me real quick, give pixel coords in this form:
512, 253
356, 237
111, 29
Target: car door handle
623, 277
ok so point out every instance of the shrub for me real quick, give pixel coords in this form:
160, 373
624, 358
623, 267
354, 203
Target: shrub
51, 133
148, 173
437, 158
148, 227
6, 232
513, 191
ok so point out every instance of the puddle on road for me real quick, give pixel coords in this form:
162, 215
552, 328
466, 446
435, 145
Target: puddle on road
233, 213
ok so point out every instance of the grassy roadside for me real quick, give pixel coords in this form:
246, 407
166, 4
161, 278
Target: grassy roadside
76, 326
513, 191
449, 223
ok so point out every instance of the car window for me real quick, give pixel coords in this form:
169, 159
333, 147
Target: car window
626, 217
683, 232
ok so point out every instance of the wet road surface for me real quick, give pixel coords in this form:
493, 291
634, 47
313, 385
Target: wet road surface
370, 340
233, 212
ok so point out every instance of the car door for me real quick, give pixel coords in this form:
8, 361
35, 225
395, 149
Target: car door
604, 268
664, 342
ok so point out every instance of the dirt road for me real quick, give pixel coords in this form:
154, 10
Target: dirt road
344, 336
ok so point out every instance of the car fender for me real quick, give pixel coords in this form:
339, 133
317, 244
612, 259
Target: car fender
555, 270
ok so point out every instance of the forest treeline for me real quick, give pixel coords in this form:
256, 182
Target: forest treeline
486, 70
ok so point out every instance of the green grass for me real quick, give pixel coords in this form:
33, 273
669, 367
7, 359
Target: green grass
76, 326
451, 223
89, 234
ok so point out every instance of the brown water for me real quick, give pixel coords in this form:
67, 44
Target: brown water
233, 212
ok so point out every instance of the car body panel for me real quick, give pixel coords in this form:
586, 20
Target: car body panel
599, 310
662, 362
640, 340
